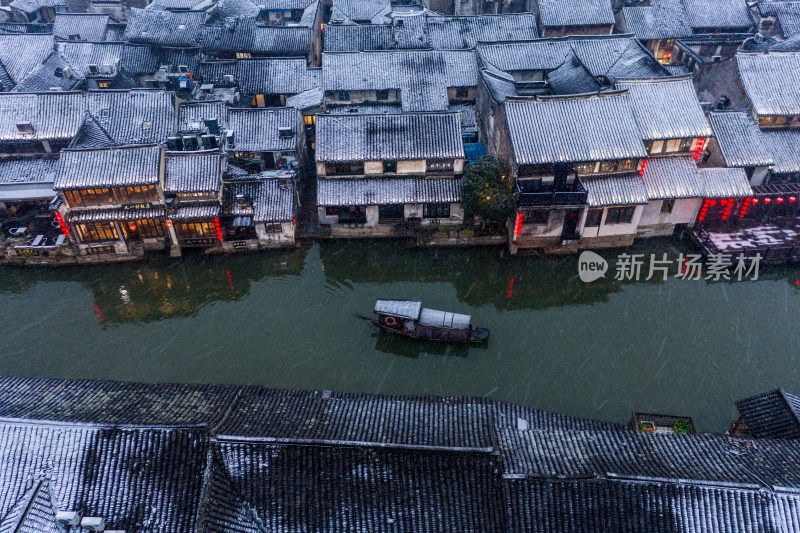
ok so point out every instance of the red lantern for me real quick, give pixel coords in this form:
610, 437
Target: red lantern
641, 168
62, 224
699, 148
518, 224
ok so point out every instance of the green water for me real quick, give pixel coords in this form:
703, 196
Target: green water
286, 320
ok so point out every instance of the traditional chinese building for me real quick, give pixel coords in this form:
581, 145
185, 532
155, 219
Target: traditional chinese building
252, 458
378, 175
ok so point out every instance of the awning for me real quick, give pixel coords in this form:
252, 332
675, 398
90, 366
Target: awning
387, 191
116, 214
623, 189
474, 151
671, 177
399, 308
194, 212
443, 319
26, 194
724, 183
240, 222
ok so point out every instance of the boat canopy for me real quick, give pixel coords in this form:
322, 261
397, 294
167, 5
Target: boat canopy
443, 319
399, 308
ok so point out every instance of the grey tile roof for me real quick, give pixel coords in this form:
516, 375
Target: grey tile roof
411, 492
771, 81
667, 108
617, 56
307, 99
421, 76
43, 78
92, 135
130, 479
81, 55
361, 11
20, 54
113, 167
115, 214
262, 75
556, 13
774, 414
722, 14
31, 6
501, 85
181, 56
164, 28
739, 139
138, 116
662, 19
784, 145
86, 26
140, 59
52, 115
387, 191
194, 112
619, 189
256, 130
787, 13
28, 170
429, 31
671, 177
541, 506
571, 77
724, 183
247, 36
196, 211
188, 172
556, 130
252, 460
271, 201
235, 8
389, 137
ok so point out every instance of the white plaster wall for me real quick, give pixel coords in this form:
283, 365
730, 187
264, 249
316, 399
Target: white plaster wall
373, 167
620, 229
411, 167
372, 216
683, 212
286, 234
458, 166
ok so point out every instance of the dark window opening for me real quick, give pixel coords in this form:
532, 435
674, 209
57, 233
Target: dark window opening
538, 217
390, 166
462, 92
333, 169
593, 217
620, 215
382, 95
667, 205
436, 211
391, 213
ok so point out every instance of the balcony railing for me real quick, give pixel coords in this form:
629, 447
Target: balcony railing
526, 196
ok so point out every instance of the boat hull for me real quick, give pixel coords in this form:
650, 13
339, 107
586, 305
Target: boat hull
476, 336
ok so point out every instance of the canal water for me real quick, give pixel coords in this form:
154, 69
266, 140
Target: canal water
287, 320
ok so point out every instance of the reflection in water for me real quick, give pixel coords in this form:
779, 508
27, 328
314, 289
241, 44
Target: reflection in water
285, 319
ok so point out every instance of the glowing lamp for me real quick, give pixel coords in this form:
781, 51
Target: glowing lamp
767, 200
792, 199
133, 227
169, 223
779, 200
755, 200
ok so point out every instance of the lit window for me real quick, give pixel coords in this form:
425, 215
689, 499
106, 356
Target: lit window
103, 85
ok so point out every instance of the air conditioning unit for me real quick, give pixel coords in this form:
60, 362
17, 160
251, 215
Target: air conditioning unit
107, 69
68, 518
716, 59
93, 523
229, 139
228, 79
244, 201
67, 71
93, 69
56, 89
183, 69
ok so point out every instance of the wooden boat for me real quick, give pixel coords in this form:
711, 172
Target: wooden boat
409, 318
